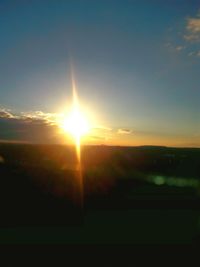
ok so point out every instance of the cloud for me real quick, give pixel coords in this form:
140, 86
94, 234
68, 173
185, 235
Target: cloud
50, 118
179, 47
190, 37
124, 131
34, 127
5, 114
187, 39
193, 29
192, 53
175, 48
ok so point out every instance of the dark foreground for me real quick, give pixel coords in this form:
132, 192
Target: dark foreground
138, 195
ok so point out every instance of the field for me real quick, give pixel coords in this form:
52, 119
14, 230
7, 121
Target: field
131, 195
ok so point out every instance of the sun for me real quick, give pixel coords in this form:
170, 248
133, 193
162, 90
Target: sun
75, 123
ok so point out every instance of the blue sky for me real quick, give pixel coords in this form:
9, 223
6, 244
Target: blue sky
136, 64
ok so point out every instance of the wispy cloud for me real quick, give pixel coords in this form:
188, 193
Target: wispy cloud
193, 29
175, 47
191, 53
192, 35
124, 131
179, 48
187, 39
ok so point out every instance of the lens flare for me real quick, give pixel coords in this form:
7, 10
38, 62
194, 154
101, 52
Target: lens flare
76, 124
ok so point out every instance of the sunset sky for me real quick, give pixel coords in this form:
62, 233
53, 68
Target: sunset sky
136, 66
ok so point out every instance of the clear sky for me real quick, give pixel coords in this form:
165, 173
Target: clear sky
137, 68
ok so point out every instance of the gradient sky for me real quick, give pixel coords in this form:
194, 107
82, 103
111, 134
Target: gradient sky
137, 67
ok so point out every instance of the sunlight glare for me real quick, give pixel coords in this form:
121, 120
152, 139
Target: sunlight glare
75, 124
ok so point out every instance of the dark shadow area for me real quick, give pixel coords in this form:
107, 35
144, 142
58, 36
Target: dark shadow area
131, 195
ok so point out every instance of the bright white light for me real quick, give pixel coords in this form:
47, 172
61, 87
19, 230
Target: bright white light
75, 124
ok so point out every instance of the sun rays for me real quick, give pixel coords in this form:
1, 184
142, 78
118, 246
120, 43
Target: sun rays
76, 124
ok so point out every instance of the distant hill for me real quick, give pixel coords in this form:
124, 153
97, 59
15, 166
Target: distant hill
152, 147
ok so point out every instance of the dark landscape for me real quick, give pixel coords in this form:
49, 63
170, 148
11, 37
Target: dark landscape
131, 195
